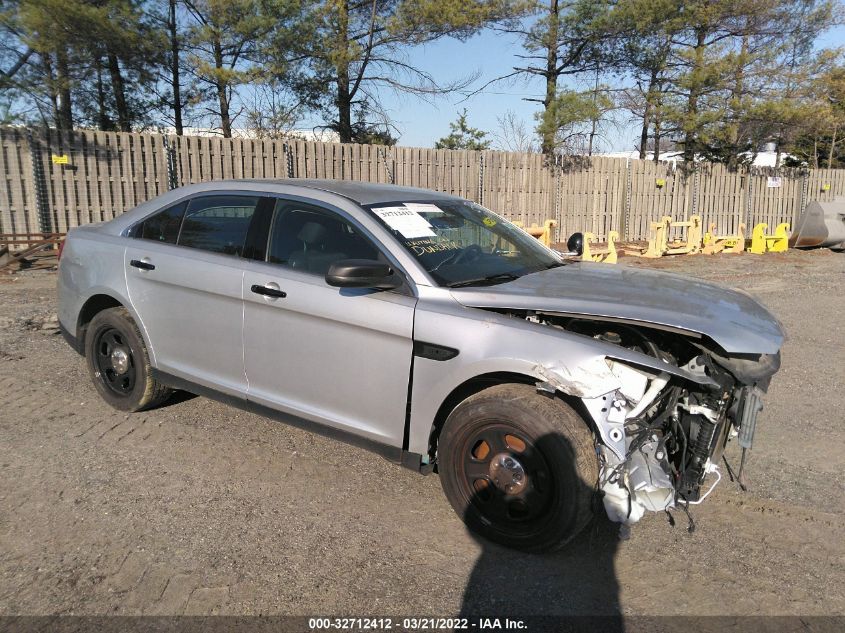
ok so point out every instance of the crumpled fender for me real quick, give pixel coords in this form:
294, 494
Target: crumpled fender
491, 343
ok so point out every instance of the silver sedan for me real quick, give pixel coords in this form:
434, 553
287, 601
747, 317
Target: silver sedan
427, 328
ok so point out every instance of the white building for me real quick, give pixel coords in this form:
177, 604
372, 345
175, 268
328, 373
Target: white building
766, 158
325, 136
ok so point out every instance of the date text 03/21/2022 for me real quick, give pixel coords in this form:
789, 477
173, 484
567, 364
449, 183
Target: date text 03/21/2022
425, 624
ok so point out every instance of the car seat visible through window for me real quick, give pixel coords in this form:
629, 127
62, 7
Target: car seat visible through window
319, 249
312, 240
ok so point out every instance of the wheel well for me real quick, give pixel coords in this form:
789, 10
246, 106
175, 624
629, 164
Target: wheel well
92, 307
464, 391
479, 383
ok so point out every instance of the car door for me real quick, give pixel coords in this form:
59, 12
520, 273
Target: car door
339, 357
184, 277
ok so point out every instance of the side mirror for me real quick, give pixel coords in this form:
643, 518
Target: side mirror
362, 273
575, 243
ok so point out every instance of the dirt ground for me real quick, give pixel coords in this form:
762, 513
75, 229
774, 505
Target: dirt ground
198, 508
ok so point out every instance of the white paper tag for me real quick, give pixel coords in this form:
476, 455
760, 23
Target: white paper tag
419, 207
409, 223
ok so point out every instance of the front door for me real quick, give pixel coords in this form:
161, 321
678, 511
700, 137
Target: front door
339, 357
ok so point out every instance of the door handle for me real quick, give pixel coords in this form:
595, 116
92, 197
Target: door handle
137, 263
268, 292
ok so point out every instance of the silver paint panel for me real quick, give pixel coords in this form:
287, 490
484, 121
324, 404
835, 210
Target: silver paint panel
733, 319
340, 357
91, 264
192, 310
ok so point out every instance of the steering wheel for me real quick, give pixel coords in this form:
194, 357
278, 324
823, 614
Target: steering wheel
469, 254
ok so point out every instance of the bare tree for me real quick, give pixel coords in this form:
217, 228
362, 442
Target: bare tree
514, 135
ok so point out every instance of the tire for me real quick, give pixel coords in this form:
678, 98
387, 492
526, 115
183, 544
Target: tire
519, 467
119, 363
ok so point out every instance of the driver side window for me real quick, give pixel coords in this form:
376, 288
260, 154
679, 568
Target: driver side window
311, 239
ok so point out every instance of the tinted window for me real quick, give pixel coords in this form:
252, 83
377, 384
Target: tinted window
311, 239
217, 223
163, 226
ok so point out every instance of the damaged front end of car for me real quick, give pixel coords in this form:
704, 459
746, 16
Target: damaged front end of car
663, 426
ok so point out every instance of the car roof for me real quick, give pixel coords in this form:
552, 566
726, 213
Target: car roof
360, 192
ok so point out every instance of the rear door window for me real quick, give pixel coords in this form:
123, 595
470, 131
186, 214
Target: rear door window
163, 226
218, 224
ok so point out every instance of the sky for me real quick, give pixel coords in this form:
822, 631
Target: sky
491, 54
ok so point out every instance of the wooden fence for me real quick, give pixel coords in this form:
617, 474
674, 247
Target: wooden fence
50, 183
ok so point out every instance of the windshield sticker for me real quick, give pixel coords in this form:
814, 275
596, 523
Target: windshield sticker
409, 223
419, 207
488, 221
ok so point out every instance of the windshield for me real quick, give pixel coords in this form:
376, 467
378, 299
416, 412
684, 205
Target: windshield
460, 243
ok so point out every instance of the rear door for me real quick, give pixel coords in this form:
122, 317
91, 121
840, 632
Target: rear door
339, 357
184, 275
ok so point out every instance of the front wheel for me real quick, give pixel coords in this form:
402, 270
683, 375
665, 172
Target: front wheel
119, 363
520, 467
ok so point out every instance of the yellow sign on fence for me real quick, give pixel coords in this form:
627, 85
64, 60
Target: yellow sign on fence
60, 160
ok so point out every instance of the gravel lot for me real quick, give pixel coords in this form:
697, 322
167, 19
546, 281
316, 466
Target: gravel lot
198, 508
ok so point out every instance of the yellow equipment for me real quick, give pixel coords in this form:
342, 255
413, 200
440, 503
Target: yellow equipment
609, 256
777, 243
542, 233
692, 244
660, 245
724, 243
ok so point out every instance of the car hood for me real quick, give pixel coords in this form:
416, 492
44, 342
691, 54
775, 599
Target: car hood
733, 319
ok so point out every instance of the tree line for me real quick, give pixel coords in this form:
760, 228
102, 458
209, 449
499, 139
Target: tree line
712, 79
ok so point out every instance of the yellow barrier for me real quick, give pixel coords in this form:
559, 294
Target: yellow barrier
610, 256
777, 243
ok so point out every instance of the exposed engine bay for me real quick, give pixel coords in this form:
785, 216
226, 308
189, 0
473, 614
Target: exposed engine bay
660, 436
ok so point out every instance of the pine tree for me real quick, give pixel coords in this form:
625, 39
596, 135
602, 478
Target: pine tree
462, 136
562, 38
358, 49
222, 45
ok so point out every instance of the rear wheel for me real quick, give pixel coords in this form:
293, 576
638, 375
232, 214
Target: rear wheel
119, 363
520, 467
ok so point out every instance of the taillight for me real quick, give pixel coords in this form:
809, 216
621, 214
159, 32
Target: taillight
61, 248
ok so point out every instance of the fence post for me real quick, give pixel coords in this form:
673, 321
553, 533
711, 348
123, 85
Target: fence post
172, 169
481, 178
288, 158
695, 184
42, 203
748, 202
556, 171
623, 219
387, 169
805, 190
